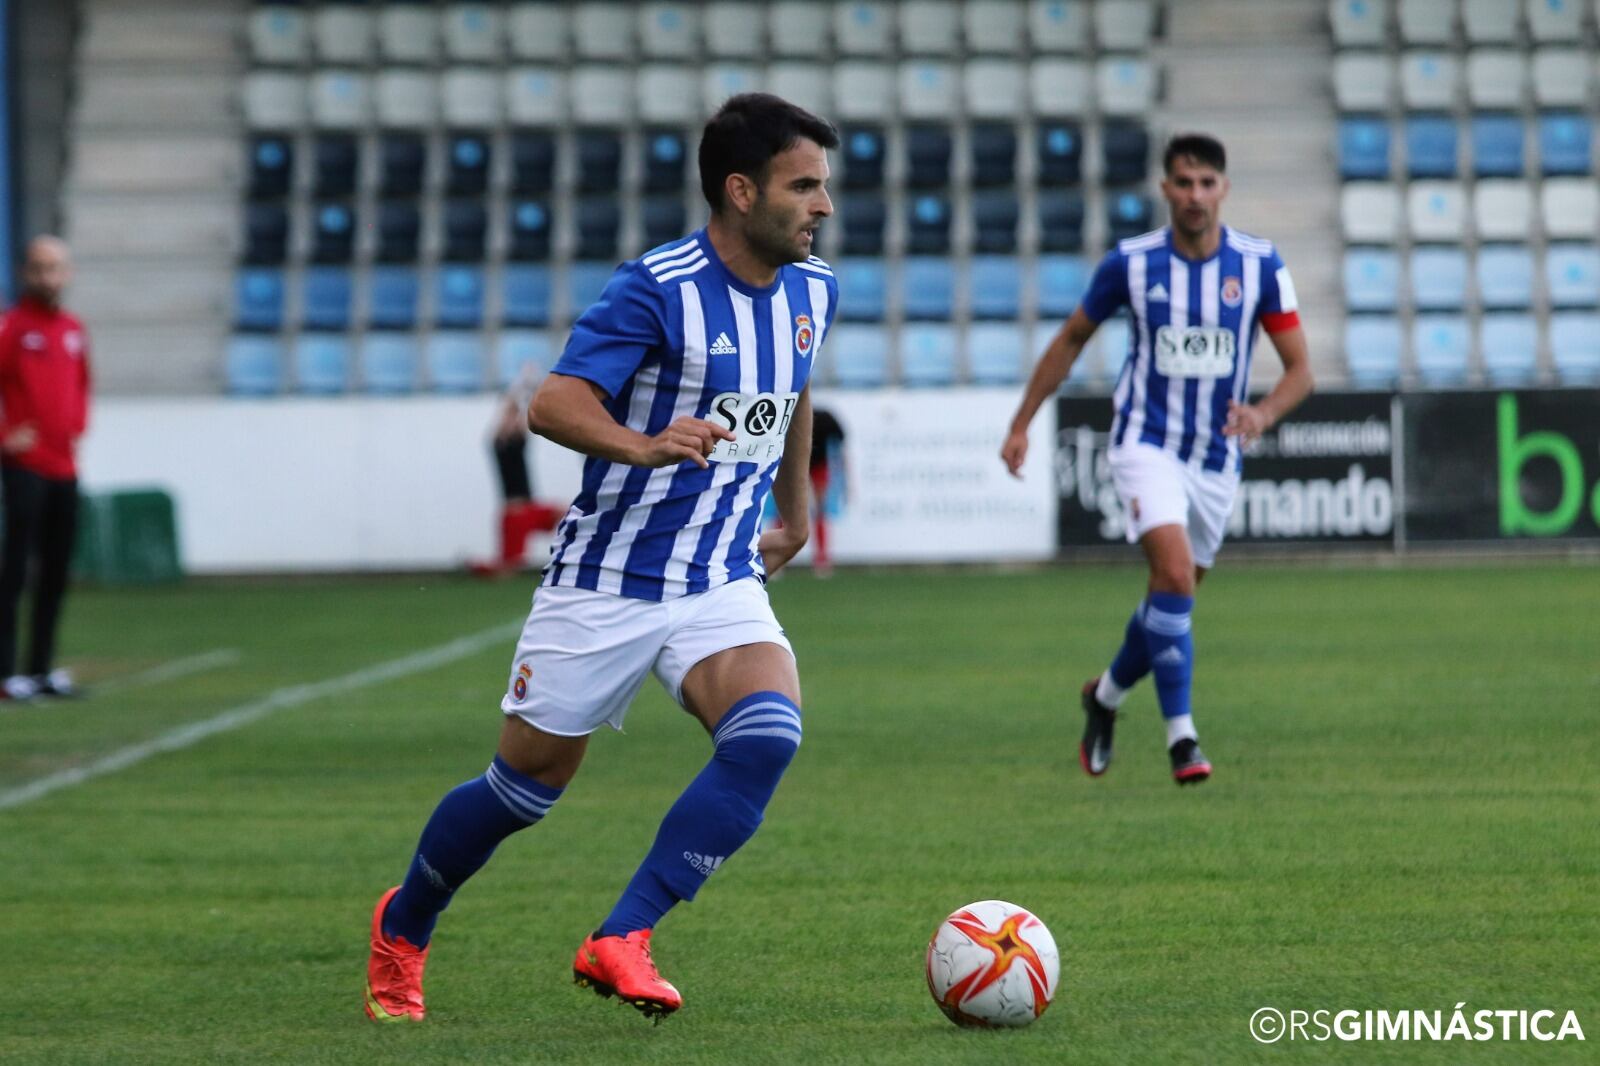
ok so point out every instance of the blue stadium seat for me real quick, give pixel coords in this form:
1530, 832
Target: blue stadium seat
1124, 152
1062, 280
455, 361
458, 297
663, 219
402, 164
665, 153
388, 362
928, 151
321, 362
253, 365
1510, 346
928, 288
994, 154
1565, 141
586, 280
861, 218
1505, 276
258, 299
860, 356
333, 173
399, 231
333, 231
1497, 146
1372, 350
599, 223
525, 294
1371, 279
517, 347
533, 159
266, 234
466, 228
1443, 346
468, 171
996, 287
862, 289
325, 298
1060, 153
1572, 275
994, 353
994, 221
928, 224
1431, 146
1575, 346
1129, 213
1363, 148
271, 166
1438, 278
927, 356
392, 297
862, 148
599, 160
1060, 220
530, 230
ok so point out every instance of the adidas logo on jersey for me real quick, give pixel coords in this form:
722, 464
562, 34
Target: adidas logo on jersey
1157, 294
707, 865
723, 346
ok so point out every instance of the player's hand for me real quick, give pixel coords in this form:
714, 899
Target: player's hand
20, 439
690, 439
1014, 451
1245, 421
777, 546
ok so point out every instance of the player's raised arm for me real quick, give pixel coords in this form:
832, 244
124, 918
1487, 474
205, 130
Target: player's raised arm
571, 412
1052, 369
791, 492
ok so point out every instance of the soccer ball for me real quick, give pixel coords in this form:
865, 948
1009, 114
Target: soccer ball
992, 963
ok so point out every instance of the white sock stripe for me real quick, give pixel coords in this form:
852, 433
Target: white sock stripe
776, 721
1173, 625
784, 709
512, 804
788, 733
518, 800
527, 795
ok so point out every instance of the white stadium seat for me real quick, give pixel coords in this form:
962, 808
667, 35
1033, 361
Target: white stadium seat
666, 94
1436, 210
670, 30
993, 27
1555, 20
274, 101
340, 99
1058, 25
1363, 81
408, 33
1125, 85
1496, 78
472, 32
1359, 22
861, 27
471, 97
736, 30
602, 95
603, 30
1571, 208
1561, 77
929, 27
1502, 210
1060, 87
1427, 21
994, 89
722, 80
1123, 25
342, 33
863, 92
806, 84
929, 90
539, 30
536, 96
1428, 80
795, 27
1490, 21
406, 99
278, 34
1369, 213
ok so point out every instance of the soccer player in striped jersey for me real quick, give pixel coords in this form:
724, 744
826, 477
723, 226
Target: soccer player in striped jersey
1197, 291
687, 386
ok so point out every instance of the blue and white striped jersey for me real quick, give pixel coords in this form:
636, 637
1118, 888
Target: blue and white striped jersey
1194, 330
676, 334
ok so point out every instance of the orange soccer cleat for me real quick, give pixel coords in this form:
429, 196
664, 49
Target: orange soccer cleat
394, 973
621, 966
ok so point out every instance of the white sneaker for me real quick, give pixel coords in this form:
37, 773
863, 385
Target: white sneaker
19, 687
57, 682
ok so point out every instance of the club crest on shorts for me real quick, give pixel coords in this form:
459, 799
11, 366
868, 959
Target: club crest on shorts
1232, 291
803, 334
519, 687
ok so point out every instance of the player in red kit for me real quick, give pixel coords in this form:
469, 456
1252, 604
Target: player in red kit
44, 409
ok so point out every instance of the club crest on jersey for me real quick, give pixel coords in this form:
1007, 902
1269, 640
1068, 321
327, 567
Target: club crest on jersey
1232, 291
519, 687
803, 334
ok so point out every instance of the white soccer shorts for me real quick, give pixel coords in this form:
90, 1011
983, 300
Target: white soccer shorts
1158, 489
583, 655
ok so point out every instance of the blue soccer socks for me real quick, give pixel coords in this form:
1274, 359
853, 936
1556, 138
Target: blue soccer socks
471, 820
1166, 624
717, 813
1131, 663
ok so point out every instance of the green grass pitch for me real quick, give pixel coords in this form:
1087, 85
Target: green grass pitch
1405, 815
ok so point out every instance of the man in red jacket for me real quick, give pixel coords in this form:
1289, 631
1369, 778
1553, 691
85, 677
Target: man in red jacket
44, 408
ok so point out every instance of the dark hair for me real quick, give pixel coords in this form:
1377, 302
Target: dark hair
747, 131
1201, 147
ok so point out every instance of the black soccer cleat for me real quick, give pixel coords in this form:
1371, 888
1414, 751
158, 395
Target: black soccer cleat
1189, 764
1094, 751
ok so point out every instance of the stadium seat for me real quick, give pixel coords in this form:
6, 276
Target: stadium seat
1372, 350
402, 164
278, 34
929, 90
1430, 146
388, 362
266, 234
1371, 279
862, 148
458, 297
1442, 345
340, 99
533, 158
599, 221
995, 89
1438, 278
861, 27
1429, 80
471, 97
995, 287
1436, 210
455, 361
1124, 152
1062, 280
806, 84
408, 33
472, 32
1059, 152
1490, 21
342, 33
333, 233
1427, 22
863, 291
538, 30
536, 96
1502, 209
928, 151
586, 280
1497, 146
258, 299
1060, 221
1505, 277
466, 227
994, 353
274, 100
467, 167
1510, 347
861, 219
333, 165
1058, 25
1128, 214
994, 154
525, 294
321, 363
1496, 78
1570, 208
722, 80
1359, 22
1124, 85
1561, 77
663, 219
406, 99
1060, 88
928, 27
253, 365
993, 27
927, 356
666, 94
928, 224
1123, 25
735, 29
271, 162
1564, 143
863, 92
517, 348
325, 298
601, 95
860, 356
1575, 347
928, 288
399, 231
1363, 81
599, 160
994, 221
1363, 147
669, 29
1555, 20
529, 230
392, 297
1572, 275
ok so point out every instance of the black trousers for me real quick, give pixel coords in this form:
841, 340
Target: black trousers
41, 522
511, 459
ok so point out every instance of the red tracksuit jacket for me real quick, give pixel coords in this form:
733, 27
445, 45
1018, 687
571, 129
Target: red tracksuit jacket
44, 381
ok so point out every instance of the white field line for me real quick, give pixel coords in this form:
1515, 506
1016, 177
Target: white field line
172, 671
185, 736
